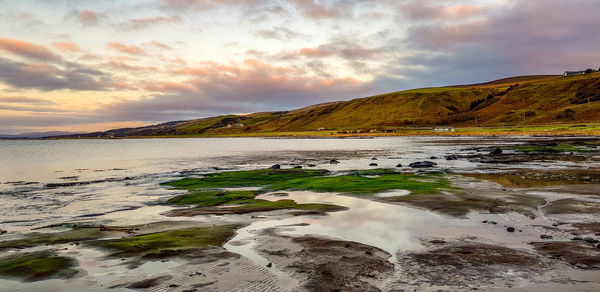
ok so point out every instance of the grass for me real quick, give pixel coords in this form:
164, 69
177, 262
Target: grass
36, 266
188, 241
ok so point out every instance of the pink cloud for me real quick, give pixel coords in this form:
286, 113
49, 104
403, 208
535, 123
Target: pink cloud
66, 46
426, 11
126, 49
27, 50
316, 10
160, 45
150, 21
88, 16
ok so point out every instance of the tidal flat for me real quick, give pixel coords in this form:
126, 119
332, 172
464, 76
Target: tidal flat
255, 214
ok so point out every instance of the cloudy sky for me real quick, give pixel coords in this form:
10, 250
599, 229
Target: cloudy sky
80, 65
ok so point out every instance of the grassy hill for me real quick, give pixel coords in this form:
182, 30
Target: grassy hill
515, 101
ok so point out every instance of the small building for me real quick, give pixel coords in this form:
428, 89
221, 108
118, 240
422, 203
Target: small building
444, 129
573, 73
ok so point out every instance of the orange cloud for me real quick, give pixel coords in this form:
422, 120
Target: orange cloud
126, 49
149, 21
160, 45
170, 87
89, 16
66, 46
27, 50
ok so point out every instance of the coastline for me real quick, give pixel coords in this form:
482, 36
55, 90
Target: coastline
559, 130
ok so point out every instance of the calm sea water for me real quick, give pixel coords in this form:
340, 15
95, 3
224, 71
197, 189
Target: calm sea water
52, 181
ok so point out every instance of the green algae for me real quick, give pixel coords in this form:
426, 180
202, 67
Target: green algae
572, 206
248, 178
554, 148
187, 241
460, 203
354, 182
36, 266
213, 198
359, 184
241, 202
38, 239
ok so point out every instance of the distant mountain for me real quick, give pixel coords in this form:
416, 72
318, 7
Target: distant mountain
522, 100
39, 134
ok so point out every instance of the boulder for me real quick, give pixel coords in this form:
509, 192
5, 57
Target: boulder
399, 165
333, 161
510, 229
545, 236
422, 164
451, 157
373, 164
275, 166
496, 151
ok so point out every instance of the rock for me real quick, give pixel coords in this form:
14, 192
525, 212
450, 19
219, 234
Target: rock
311, 165
510, 229
451, 157
333, 161
374, 158
598, 246
577, 238
275, 166
399, 165
422, 164
484, 221
298, 166
269, 265
496, 151
2, 231
437, 241
372, 164
545, 236
433, 157
493, 222
590, 240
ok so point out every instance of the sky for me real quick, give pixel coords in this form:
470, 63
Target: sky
83, 65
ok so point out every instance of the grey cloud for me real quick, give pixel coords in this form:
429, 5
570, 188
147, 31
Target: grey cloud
48, 77
279, 33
